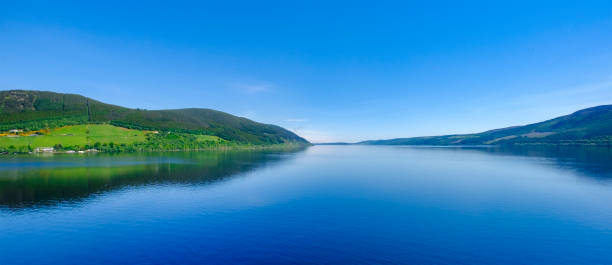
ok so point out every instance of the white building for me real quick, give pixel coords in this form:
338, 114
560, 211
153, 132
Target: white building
44, 149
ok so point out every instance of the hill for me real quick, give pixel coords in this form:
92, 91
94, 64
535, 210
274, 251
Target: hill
592, 126
35, 110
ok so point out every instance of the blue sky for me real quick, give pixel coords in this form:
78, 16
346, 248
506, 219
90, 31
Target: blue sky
330, 71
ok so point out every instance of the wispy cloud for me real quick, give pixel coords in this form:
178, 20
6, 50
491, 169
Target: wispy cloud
564, 99
586, 94
253, 88
314, 136
249, 114
296, 120
538, 106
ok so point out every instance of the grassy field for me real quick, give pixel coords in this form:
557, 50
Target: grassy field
209, 138
77, 135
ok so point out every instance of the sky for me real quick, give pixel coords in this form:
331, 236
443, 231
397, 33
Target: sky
327, 70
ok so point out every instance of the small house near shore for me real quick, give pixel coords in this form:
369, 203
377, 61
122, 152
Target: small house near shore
44, 149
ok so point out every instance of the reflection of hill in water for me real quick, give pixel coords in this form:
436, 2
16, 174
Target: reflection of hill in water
593, 162
35, 182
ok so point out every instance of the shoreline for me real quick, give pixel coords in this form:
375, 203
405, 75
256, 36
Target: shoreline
215, 148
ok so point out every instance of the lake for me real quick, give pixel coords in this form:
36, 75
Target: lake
320, 205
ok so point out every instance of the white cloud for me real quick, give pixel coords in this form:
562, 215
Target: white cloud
253, 88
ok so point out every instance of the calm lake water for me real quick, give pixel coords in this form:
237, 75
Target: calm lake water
321, 205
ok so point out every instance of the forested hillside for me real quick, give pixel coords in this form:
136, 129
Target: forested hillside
35, 110
592, 126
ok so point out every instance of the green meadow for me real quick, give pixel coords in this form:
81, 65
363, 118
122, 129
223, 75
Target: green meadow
77, 135
209, 138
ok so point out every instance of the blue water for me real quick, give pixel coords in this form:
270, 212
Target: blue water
322, 205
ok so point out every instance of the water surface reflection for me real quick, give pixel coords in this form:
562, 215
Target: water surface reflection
325, 205
593, 162
46, 181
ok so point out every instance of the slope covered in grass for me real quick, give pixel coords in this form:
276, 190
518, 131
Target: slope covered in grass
106, 137
77, 135
34, 110
592, 126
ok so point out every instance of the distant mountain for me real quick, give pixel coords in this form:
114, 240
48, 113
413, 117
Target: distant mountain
20, 109
336, 143
592, 126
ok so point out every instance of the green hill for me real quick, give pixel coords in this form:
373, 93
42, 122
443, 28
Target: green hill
35, 110
592, 126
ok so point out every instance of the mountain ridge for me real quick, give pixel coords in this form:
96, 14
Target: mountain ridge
590, 126
32, 109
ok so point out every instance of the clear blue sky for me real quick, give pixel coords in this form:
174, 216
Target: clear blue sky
341, 71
